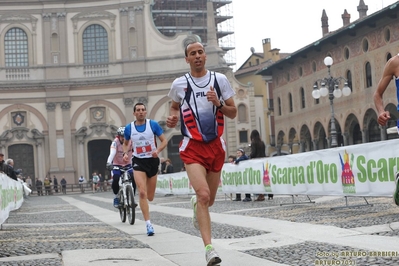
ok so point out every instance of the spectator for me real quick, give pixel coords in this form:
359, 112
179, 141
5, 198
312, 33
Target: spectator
47, 186
10, 166
55, 184
95, 179
39, 187
100, 182
231, 159
28, 181
63, 185
168, 167
3, 165
242, 157
258, 150
163, 165
81, 184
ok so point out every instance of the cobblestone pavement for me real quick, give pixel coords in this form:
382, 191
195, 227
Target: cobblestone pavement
49, 225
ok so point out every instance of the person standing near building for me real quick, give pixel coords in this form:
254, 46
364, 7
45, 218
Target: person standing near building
63, 185
29, 182
39, 187
115, 158
391, 71
201, 98
258, 150
95, 179
241, 156
55, 184
145, 160
47, 186
81, 183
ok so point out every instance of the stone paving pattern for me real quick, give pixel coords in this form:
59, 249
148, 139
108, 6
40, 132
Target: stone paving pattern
50, 225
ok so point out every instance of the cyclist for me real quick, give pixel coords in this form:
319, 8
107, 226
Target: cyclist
115, 158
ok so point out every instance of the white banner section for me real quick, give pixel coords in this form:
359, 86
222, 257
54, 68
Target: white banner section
357, 170
11, 196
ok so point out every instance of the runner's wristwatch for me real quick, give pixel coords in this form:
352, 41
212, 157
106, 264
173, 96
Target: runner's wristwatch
221, 104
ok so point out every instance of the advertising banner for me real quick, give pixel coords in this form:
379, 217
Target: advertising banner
358, 170
11, 196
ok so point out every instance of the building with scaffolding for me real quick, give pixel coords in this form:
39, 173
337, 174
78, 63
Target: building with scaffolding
172, 17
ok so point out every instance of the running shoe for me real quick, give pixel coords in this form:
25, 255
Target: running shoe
212, 258
396, 193
116, 202
194, 205
150, 230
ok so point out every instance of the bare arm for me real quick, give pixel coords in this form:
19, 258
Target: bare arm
173, 117
125, 150
391, 69
229, 108
162, 146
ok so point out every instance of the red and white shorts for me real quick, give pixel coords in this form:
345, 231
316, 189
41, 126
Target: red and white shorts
210, 155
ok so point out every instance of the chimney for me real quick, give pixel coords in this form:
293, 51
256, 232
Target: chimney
324, 23
362, 9
346, 18
267, 46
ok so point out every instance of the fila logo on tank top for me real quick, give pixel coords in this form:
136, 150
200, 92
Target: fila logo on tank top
210, 124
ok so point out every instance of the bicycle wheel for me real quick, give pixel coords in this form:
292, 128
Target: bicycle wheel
131, 205
122, 208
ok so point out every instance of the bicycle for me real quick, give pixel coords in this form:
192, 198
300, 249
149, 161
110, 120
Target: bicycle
127, 205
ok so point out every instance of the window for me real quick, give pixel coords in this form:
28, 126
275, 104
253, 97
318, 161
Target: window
369, 81
387, 35
303, 104
365, 45
257, 61
349, 79
16, 48
300, 71
279, 106
290, 101
389, 56
243, 136
314, 66
95, 45
242, 113
346, 53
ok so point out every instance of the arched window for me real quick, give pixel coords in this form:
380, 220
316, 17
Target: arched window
242, 113
369, 80
16, 48
95, 45
349, 79
303, 103
290, 101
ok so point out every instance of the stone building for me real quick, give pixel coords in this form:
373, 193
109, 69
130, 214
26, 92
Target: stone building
359, 50
70, 73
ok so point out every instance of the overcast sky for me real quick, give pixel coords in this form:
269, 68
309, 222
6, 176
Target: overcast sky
290, 24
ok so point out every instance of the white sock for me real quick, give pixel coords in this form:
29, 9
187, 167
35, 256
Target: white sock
148, 222
115, 196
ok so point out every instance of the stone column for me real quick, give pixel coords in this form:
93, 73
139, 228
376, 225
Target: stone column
46, 49
66, 106
52, 135
62, 31
124, 32
346, 138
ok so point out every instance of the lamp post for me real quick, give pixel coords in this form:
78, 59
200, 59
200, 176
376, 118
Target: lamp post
330, 86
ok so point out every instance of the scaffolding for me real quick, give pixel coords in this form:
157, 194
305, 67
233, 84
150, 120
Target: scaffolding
175, 16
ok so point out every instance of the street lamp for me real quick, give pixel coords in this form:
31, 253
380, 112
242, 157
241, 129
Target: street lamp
330, 86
